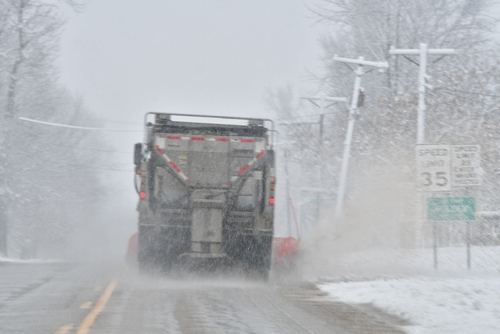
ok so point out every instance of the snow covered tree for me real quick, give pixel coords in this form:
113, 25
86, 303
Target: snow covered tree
370, 28
48, 182
387, 123
461, 108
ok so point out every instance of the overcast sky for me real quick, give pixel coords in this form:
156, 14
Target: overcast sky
218, 57
126, 57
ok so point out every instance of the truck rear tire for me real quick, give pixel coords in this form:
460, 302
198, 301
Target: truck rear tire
257, 257
159, 248
263, 263
147, 256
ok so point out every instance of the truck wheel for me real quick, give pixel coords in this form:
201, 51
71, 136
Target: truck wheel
263, 273
259, 257
146, 257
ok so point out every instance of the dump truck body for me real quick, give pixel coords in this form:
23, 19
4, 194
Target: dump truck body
206, 191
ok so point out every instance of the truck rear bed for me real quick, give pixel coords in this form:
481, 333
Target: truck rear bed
208, 186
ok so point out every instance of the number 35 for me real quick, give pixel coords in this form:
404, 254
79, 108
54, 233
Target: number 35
439, 180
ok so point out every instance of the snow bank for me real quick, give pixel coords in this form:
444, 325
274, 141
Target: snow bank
452, 262
449, 300
431, 305
372, 254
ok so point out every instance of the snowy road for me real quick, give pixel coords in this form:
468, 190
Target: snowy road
103, 298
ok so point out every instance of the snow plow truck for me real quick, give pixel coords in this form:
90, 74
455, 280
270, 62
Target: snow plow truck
206, 187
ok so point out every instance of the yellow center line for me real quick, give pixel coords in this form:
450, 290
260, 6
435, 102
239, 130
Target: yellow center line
64, 329
92, 316
86, 305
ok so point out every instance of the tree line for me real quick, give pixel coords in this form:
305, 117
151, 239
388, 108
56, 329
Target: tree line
49, 183
462, 107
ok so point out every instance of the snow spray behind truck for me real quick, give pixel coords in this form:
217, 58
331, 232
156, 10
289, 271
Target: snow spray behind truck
206, 187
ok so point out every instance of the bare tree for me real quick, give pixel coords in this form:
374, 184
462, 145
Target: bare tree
370, 28
46, 178
386, 128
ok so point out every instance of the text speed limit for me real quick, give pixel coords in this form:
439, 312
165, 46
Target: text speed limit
433, 167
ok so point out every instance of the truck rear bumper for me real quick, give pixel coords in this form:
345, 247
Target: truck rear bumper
202, 256
205, 261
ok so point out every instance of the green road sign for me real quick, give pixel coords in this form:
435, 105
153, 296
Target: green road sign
451, 208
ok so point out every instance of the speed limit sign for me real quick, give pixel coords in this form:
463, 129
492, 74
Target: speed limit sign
433, 167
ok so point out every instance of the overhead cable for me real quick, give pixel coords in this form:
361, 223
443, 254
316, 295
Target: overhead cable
76, 127
465, 92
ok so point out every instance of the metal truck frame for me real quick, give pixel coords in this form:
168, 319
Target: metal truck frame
206, 192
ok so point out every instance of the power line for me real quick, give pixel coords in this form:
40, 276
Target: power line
105, 120
462, 97
465, 92
93, 167
290, 118
83, 128
90, 148
90, 167
76, 127
96, 149
109, 169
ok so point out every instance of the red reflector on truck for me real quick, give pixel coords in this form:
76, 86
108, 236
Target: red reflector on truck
159, 150
174, 166
259, 155
243, 169
142, 194
271, 200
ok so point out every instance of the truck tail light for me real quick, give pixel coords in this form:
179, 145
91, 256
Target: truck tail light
271, 200
142, 194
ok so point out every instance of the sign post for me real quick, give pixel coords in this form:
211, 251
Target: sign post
440, 168
452, 209
466, 164
468, 246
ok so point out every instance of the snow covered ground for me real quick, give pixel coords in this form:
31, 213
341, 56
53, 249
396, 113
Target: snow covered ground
449, 300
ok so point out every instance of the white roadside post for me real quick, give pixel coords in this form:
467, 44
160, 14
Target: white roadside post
352, 117
423, 52
286, 158
323, 100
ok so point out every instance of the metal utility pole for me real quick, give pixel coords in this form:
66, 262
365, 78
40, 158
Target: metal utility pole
6, 122
423, 52
288, 198
286, 156
3, 189
352, 117
323, 100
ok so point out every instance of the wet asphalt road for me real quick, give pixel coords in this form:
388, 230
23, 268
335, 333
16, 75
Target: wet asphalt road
108, 298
